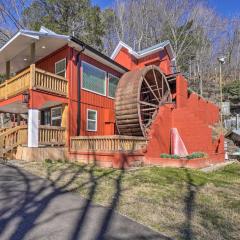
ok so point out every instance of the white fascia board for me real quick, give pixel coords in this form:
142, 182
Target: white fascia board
30, 36
44, 34
14, 38
118, 48
20, 33
149, 52
46, 30
11, 40
137, 55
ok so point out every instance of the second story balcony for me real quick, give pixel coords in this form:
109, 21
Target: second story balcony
36, 79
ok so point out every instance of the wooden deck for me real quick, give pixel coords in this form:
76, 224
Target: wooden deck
34, 78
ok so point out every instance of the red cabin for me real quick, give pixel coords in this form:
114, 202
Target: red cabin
64, 99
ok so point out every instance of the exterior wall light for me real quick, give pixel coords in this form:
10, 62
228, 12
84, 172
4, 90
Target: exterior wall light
26, 97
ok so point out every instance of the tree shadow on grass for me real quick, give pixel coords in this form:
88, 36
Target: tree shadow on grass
189, 207
25, 198
211, 219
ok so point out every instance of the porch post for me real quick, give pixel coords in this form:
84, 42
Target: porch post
33, 127
8, 69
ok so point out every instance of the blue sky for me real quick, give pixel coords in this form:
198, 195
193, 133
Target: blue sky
226, 8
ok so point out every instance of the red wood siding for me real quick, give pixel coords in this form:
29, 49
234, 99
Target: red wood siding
102, 104
160, 59
48, 63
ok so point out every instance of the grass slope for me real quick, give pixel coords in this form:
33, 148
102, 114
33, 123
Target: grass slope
181, 203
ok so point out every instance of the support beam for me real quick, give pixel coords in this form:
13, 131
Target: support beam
8, 69
33, 127
32, 53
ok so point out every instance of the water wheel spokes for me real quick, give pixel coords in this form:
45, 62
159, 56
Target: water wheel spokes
139, 95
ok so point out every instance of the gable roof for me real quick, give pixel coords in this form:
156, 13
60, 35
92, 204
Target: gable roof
147, 51
17, 48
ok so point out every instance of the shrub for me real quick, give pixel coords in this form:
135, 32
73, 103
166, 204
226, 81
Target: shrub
175, 156
48, 160
196, 155
165, 155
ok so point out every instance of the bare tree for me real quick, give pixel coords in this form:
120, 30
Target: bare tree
10, 18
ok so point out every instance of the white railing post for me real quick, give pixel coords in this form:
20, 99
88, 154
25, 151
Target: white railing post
33, 127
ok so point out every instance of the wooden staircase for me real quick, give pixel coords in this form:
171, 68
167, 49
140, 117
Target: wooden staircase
11, 138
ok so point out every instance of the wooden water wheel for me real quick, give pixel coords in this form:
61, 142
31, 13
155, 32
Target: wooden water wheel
139, 95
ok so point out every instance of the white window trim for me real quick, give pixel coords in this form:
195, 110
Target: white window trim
105, 84
55, 118
109, 74
65, 63
96, 126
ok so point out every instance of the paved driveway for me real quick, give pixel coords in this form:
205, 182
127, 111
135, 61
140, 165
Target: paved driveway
33, 208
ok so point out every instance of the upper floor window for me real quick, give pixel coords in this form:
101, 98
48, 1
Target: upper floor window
60, 68
112, 85
94, 79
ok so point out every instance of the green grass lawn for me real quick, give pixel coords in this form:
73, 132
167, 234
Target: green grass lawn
181, 203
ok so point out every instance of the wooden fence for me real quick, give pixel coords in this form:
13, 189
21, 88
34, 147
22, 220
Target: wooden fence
107, 143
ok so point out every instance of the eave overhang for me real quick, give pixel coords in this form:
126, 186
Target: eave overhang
17, 49
146, 52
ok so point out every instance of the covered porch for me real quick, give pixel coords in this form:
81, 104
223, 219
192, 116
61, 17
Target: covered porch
42, 126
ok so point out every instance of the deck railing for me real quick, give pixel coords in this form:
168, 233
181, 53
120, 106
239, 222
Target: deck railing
34, 78
2, 130
107, 143
15, 85
49, 135
13, 137
50, 82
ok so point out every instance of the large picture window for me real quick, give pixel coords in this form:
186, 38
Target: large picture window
56, 116
60, 68
94, 79
112, 85
92, 120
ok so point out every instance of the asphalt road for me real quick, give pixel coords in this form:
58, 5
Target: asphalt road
34, 208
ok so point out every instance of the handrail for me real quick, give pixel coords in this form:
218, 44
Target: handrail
13, 137
108, 143
50, 135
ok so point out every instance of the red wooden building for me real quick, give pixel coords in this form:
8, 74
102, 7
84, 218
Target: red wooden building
66, 99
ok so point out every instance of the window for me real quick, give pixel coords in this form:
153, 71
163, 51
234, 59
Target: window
112, 85
60, 68
94, 79
56, 116
46, 117
91, 120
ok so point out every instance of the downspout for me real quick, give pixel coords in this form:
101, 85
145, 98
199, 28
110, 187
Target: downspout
79, 90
